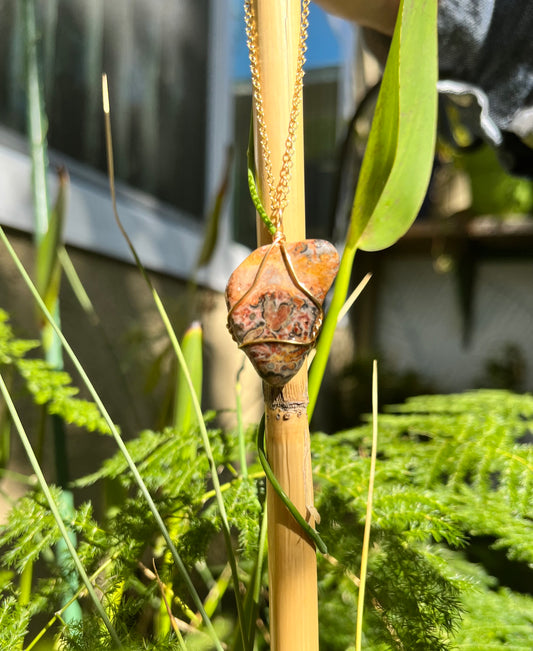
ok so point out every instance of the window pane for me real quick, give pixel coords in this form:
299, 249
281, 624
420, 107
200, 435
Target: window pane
155, 55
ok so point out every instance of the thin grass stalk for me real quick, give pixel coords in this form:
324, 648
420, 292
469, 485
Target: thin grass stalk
182, 363
90, 313
368, 519
55, 511
240, 425
344, 311
257, 576
5, 432
118, 439
291, 556
36, 122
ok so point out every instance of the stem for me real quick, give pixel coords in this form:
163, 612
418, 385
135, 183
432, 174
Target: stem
55, 511
292, 557
37, 128
240, 426
118, 439
368, 519
340, 291
195, 403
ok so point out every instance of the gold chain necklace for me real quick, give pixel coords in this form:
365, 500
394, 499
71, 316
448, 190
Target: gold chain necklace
277, 194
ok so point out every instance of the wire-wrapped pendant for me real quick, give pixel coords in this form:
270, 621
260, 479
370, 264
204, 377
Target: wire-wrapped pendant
274, 301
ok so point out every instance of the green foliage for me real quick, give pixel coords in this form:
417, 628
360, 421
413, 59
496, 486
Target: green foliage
48, 386
13, 623
451, 470
400, 150
398, 159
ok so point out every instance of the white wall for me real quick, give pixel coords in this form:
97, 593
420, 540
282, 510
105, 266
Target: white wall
419, 323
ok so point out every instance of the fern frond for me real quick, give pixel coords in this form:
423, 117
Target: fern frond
48, 386
30, 530
244, 511
449, 467
14, 621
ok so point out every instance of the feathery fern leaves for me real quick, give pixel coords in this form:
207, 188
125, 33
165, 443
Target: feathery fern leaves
31, 526
449, 468
13, 623
481, 465
46, 385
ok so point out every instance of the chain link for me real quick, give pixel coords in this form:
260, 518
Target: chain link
277, 194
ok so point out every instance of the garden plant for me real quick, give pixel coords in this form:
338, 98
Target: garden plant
210, 540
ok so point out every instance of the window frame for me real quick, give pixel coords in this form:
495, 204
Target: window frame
167, 240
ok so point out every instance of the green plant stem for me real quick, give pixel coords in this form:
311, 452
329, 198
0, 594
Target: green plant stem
240, 427
55, 511
257, 578
368, 519
340, 291
293, 510
36, 123
25, 585
118, 439
183, 365
37, 129
76, 285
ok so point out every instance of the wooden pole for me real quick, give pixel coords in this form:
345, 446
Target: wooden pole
291, 557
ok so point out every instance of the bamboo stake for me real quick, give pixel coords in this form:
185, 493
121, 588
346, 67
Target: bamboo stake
292, 559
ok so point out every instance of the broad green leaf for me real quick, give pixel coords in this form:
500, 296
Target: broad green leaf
399, 155
398, 158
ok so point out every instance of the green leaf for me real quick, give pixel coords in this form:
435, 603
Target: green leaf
399, 155
191, 346
398, 159
48, 277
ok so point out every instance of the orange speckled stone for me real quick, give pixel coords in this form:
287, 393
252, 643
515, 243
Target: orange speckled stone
275, 314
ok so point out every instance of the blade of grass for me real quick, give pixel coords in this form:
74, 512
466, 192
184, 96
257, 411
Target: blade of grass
179, 354
253, 601
37, 124
86, 304
118, 439
163, 589
353, 297
240, 426
5, 432
217, 591
76, 285
55, 510
368, 519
